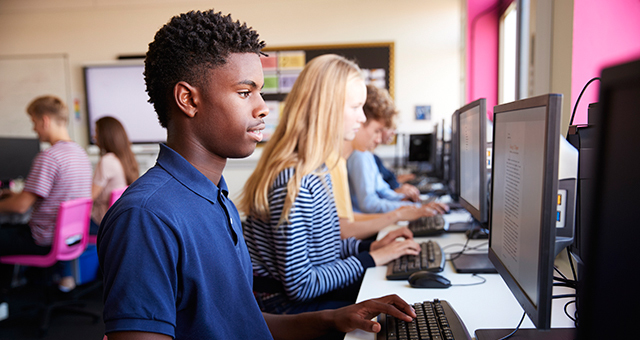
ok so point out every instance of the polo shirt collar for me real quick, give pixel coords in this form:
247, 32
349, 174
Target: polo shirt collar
189, 176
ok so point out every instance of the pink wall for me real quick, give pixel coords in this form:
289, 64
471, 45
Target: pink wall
604, 33
482, 52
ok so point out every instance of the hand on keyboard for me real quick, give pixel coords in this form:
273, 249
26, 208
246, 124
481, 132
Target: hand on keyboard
410, 192
411, 212
388, 249
435, 320
439, 208
359, 316
431, 258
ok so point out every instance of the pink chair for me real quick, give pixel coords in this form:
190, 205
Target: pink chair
69, 241
115, 194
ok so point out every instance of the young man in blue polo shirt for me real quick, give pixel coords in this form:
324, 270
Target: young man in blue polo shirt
171, 250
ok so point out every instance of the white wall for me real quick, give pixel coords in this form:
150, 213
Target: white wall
426, 33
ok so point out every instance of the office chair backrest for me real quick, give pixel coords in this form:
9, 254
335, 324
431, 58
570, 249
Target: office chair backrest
115, 194
70, 237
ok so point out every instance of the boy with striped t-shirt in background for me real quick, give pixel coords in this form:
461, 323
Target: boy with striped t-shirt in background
58, 174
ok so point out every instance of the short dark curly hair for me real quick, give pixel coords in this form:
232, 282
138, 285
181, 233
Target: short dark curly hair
187, 47
379, 106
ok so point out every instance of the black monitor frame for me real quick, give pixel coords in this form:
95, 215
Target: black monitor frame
480, 213
454, 158
538, 311
608, 294
419, 152
18, 154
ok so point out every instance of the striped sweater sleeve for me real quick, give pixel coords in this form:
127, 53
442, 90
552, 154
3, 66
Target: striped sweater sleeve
305, 254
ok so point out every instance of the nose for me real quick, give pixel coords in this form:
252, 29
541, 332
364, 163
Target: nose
262, 110
361, 116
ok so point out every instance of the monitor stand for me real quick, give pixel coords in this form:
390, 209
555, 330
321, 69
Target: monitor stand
527, 334
473, 229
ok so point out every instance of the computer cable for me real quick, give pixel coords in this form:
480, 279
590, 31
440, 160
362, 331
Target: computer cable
564, 284
465, 247
515, 330
566, 312
563, 280
559, 272
575, 107
471, 284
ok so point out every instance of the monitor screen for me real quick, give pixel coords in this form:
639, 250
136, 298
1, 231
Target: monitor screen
608, 293
472, 143
16, 155
118, 90
524, 198
420, 147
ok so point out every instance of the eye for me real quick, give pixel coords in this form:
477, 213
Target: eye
244, 94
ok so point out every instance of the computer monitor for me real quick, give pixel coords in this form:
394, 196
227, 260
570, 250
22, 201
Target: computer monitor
421, 150
608, 297
472, 141
526, 152
453, 184
439, 151
16, 155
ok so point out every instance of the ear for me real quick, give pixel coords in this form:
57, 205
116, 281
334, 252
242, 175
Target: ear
46, 121
187, 98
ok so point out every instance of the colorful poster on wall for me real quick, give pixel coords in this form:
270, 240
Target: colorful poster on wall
271, 120
291, 60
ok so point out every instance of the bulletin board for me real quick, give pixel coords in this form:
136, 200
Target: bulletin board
370, 56
283, 64
22, 79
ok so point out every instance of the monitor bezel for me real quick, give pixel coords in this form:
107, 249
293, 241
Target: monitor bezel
606, 294
540, 311
454, 158
480, 213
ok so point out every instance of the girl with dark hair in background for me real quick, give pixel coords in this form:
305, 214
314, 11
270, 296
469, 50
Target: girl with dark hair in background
117, 167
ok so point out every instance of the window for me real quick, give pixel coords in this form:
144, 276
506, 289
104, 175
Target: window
507, 55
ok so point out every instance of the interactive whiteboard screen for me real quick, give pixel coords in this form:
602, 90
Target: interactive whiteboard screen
118, 90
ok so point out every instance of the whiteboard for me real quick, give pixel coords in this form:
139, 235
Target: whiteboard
23, 78
119, 90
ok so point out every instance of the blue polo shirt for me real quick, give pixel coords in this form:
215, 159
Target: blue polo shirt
174, 260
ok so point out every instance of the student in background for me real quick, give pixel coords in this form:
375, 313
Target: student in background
292, 227
58, 174
367, 225
369, 192
171, 249
395, 182
116, 169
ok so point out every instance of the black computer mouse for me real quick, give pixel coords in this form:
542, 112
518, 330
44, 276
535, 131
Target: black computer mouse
425, 279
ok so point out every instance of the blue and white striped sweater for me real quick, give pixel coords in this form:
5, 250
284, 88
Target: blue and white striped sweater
306, 253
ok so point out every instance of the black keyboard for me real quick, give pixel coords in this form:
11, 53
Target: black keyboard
436, 320
427, 226
431, 258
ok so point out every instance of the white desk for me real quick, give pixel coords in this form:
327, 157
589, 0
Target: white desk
489, 305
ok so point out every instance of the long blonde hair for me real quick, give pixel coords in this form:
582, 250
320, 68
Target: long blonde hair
310, 130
